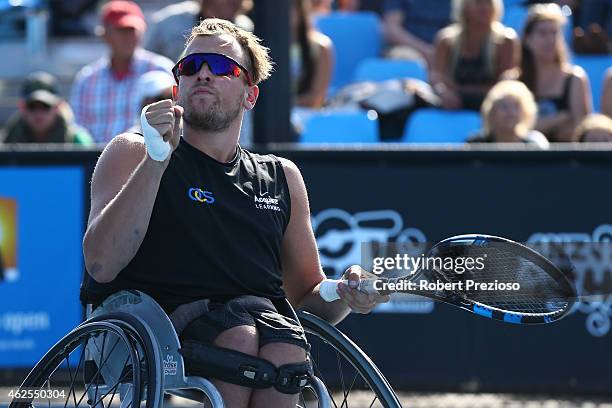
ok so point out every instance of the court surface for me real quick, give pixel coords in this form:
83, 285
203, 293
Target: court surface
426, 400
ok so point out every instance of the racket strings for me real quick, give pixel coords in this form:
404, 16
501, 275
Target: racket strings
537, 292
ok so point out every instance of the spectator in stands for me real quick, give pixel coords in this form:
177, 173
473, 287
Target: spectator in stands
593, 34
594, 128
311, 58
104, 92
472, 54
311, 65
321, 7
410, 26
43, 116
509, 113
606, 95
154, 86
171, 24
561, 89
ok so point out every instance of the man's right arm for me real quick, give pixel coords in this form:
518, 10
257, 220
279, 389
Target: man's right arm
123, 190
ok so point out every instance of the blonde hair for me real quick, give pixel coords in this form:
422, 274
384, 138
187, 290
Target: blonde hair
259, 62
518, 91
457, 32
594, 121
458, 10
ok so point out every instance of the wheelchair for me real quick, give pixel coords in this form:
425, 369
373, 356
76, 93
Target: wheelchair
126, 354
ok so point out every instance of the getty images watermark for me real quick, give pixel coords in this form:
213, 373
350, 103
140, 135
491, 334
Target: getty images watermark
461, 273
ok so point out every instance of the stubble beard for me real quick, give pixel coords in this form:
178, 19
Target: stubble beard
211, 119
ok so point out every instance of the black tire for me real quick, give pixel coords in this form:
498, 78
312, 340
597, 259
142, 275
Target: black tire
50, 362
346, 348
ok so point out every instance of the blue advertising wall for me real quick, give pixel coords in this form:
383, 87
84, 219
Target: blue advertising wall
386, 197
368, 196
37, 302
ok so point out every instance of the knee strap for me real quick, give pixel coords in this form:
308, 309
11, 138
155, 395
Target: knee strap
293, 377
243, 369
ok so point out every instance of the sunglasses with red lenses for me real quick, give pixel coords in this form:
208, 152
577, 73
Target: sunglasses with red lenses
219, 64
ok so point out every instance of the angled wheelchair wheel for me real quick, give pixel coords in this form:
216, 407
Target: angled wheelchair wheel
69, 375
350, 376
149, 355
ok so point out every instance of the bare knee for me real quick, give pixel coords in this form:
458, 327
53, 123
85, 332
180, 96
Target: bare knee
240, 338
282, 353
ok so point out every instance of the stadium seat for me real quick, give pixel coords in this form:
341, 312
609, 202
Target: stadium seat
514, 17
340, 127
380, 69
595, 67
356, 36
440, 126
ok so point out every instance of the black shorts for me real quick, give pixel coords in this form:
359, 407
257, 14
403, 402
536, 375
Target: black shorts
259, 312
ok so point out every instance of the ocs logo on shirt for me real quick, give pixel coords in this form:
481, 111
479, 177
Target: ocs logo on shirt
201, 196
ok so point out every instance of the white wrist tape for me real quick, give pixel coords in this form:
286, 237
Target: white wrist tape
327, 289
157, 149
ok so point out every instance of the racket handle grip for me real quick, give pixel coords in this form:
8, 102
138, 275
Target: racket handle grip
328, 287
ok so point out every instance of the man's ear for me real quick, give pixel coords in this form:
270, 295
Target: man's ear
251, 97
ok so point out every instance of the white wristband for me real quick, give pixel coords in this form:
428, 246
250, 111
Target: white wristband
157, 149
327, 289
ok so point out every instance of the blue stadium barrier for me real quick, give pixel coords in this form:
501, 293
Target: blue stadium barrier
340, 127
595, 67
356, 36
380, 69
440, 126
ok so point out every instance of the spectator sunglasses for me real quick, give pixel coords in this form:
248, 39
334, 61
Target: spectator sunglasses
219, 64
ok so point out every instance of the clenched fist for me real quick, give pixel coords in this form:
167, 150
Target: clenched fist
166, 118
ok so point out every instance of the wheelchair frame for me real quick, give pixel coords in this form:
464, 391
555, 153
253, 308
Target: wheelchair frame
134, 315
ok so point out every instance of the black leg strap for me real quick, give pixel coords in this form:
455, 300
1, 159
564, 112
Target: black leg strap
243, 369
293, 377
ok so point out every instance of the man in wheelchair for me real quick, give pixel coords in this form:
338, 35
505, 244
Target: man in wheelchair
220, 237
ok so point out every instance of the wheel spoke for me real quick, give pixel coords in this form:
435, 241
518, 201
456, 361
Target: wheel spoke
319, 374
350, 389
81, 359
350, 362
48, 382
100, 367
123, 377
341, 374
97, 375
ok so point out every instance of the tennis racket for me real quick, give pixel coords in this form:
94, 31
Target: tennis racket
511, 282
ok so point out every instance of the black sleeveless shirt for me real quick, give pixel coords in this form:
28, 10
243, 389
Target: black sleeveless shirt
215, 232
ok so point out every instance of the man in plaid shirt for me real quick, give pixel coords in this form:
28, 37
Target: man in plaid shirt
104, 97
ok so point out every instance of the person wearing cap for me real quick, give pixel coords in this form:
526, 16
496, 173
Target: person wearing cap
43, 116
104, 95
166, 36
